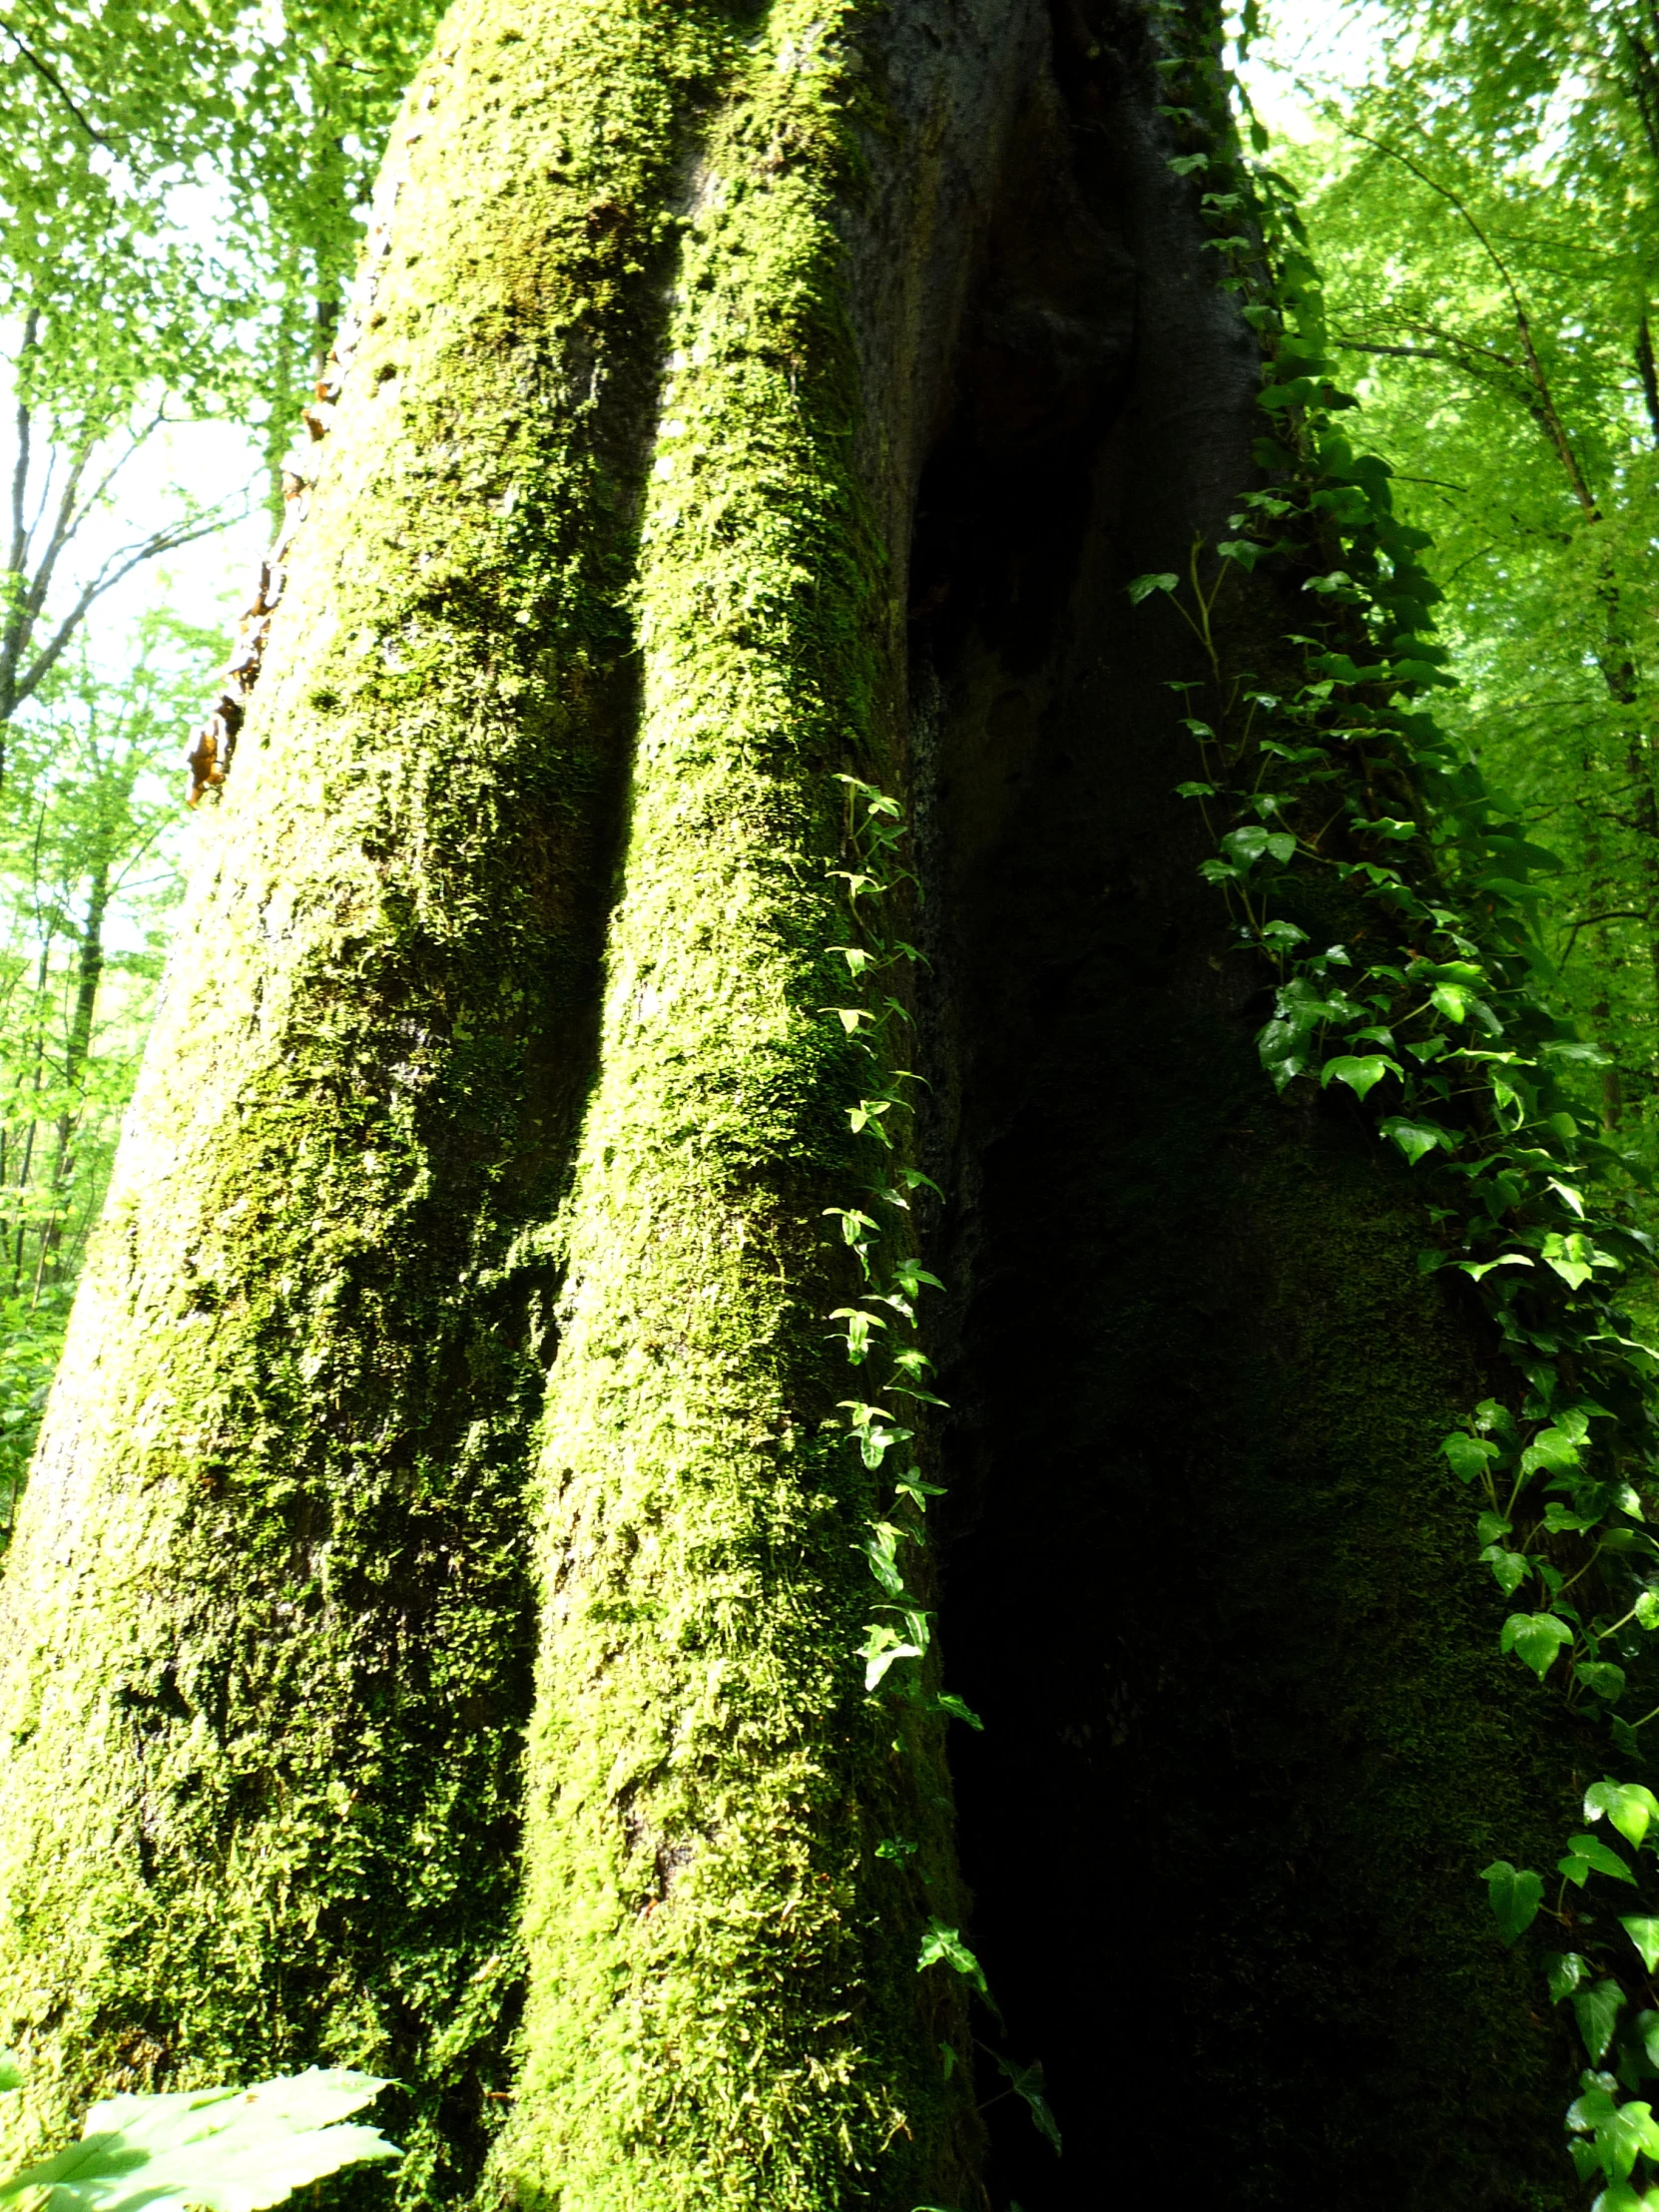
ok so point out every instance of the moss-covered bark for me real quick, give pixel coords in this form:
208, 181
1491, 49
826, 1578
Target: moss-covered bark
269, 1623
744, 395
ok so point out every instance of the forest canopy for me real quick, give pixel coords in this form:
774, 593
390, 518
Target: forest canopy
880, 1295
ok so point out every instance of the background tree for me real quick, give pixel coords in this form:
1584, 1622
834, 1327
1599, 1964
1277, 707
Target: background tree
90, 870
1488, 216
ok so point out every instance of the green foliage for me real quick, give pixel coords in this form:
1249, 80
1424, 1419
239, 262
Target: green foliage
1402, 852
180, 180
898, 1642
89, 870
1486, 210
208, 2150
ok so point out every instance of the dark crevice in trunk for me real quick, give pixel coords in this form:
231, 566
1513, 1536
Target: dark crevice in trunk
1246, 1745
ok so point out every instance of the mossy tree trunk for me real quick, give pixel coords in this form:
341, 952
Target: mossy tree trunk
429, 1640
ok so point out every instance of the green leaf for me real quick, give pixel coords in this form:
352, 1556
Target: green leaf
1027, 2083
1553, 1448
1601, 1679
1646, 1610
1595, 2107
957, 1709
1509, 1569
882, 1648
1514, 1897
1144, 586
1481, 1269
1417, 1139
1630, 1807
1644, 1933
1595, 1858
1469, 1456
1575, 1258
1622, 2136
1620, 2196
1597, 2012
943, 1945
1564, 1970
1246, 846
1535, 1638
1360, 1073
228, 2151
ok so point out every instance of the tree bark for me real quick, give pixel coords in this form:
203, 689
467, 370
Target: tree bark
740, 398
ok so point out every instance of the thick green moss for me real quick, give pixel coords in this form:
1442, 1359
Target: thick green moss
267, 1621
724, 2003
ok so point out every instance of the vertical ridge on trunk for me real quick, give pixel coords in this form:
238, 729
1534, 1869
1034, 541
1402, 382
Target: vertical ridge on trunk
725, 2005
268, 1623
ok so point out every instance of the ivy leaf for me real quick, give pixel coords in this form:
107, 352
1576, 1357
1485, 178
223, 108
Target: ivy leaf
1626, 2133
1629, 1806
1144, 586
1469, 1456
1564, 1970
1597, 2012
1480, 1270
1644, 1933
1535, 1638
1588, 1856
1620, 2195
1514, 1897
1246, 846
1559, 1521
943, 1945
1509, 1569
1596, 2106
1417, 1139
1601, 1679
1575, 1258
1555, 1449
882, 1648
1360, 1073
1027, 2083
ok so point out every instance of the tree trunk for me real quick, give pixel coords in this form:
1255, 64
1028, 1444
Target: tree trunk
88, 976
739, 399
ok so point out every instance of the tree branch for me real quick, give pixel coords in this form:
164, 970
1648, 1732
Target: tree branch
44, 69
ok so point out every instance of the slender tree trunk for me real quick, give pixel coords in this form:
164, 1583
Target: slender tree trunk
739, 399
88, 976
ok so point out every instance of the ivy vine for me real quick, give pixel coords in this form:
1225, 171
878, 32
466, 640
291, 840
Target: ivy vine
1433, 1012
880, 1329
